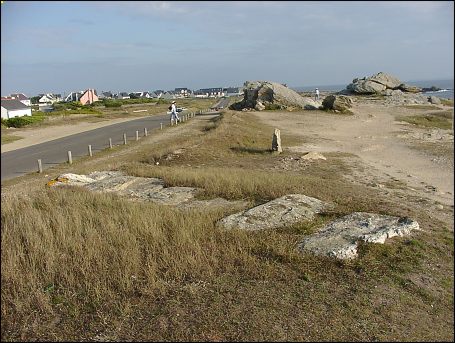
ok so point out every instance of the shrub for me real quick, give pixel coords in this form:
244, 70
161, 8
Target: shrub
23, 121
112, 103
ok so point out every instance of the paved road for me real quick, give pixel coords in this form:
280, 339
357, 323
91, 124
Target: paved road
223, 103
22, 161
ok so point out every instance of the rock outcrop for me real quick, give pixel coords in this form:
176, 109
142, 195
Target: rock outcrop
281, 212
378, 84
263, 95
340, 238
340, 103
139, 188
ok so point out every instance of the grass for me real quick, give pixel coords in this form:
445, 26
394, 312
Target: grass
78, 265
441, 119
8, 138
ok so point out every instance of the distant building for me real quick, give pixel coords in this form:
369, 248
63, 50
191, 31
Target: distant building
88, 97
106, 95
49, 98
22, 98
14, 108
122, 95
232, 91
182, 92
73, 96
209, 92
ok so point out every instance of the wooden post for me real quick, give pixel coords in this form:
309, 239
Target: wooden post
110, 143
145, 131
70, 159
90, 150
137, 135
161, 125
40, 167
124, 138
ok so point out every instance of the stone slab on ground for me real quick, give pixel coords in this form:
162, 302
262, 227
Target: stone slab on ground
141, 188
340, 238
284, 211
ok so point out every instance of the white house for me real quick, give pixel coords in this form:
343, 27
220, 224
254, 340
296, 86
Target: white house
22, 98
49, 98
14, 108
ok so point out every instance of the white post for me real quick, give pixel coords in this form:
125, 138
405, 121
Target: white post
90, 150
145, 131
124, 138
161, 125
70, 159
137, 135
110, 143
40, 167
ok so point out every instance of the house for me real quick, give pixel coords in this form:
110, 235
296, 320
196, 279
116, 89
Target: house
14, 108
123, 95
106, 95
88, 97
232, 91
22, 98
182, 92
73, 96
49, 98
211, 92
142, 95
168, 95
157, 94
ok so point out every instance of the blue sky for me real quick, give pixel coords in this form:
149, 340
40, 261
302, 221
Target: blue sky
132, 46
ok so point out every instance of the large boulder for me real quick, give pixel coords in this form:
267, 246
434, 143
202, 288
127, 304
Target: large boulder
379, 83
339, 103
260, 95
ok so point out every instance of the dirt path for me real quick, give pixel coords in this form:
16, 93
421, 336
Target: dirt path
381, 143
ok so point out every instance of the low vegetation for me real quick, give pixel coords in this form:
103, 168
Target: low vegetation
78, 265
439, 119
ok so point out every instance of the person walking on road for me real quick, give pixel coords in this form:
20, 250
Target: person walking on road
316, 96
174, 115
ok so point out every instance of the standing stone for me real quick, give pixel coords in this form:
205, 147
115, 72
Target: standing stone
276, 141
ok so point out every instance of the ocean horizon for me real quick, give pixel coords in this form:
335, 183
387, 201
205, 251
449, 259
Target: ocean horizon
446, 87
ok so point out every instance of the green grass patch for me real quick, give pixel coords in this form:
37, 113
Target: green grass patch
442, 120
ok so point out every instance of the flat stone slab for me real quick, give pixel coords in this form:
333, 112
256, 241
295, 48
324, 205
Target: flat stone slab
140, 188
287, 210
340, 238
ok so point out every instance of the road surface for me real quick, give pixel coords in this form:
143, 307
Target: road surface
22, 161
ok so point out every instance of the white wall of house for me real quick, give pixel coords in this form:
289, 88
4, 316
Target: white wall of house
26, 102
15, 113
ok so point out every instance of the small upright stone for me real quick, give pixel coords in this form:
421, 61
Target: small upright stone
276, 141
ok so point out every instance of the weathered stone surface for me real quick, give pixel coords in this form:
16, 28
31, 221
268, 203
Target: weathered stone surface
260, 95
139, 188
434, 100
366, 87
313, 155
387, 80
276, 141
337, 103
379, 84
340, 238
287, 210
409, 89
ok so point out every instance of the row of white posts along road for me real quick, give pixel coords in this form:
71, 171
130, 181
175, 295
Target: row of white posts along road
183, 118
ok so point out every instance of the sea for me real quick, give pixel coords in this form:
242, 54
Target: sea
446, 87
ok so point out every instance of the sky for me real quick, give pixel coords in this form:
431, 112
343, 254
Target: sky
64, 46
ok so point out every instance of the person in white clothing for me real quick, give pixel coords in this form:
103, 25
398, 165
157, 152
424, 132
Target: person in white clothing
174, 115
316, 96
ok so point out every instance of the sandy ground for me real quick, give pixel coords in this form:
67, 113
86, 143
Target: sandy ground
32, 136
384, 146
